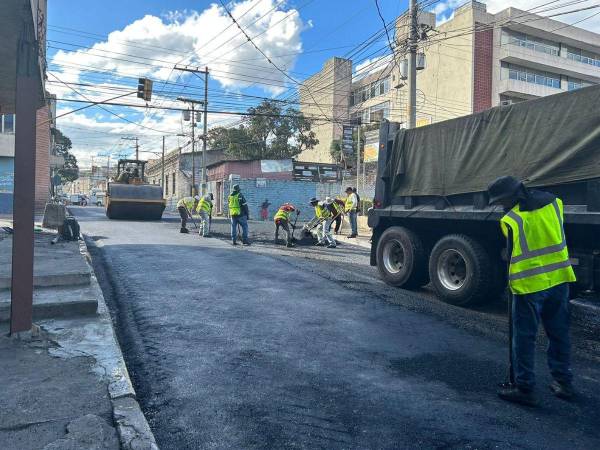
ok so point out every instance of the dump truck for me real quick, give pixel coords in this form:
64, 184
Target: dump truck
130, 196
431, 219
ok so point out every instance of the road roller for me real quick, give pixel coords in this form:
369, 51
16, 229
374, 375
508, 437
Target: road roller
131, 197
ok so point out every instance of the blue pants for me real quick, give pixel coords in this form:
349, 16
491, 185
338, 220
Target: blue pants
352, 217
243, 221
552, 308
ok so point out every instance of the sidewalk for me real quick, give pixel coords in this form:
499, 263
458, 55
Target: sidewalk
65, 386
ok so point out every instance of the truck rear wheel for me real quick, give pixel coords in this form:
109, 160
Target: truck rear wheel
461, 270
401, 258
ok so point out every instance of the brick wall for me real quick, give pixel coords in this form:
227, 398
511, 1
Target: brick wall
42, 160
482, 82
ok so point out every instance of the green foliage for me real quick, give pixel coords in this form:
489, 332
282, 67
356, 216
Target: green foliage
70, 170
272, 132
335, 149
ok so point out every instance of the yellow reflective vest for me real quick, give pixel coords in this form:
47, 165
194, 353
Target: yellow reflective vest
235, 209
322, 212
282, 214
187, 202
205, 205
351, 201
540, 258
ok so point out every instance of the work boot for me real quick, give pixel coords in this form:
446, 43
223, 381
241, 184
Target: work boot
246, 243
233, 243
351, 236
290, 245
184, 230
562, 390
320, 244
331, 246
515, 395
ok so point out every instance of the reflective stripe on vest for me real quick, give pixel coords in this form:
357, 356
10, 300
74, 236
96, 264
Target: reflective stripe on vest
235, 208
349, 206
322, 212
205, 205
187, 202
281, 214
540, 258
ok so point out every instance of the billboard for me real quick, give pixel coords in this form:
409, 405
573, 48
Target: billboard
371, 148
347, 140
319, 173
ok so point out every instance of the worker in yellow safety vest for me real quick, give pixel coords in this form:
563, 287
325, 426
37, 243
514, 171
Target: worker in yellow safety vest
351, 209
204, 209
283, 219
539, 273
324, 217
186, 207
239, 214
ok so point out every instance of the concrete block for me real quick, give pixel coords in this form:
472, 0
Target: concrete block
134, 431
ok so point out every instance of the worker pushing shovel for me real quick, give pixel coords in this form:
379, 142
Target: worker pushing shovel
185, 206
283, 220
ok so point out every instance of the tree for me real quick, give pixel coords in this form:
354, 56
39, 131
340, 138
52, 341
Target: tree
335, 150
62, 146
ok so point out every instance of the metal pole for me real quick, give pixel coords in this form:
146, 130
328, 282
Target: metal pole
193, 150
205, 131
412, 64
358, 146
162, 172
137, 150
27, 88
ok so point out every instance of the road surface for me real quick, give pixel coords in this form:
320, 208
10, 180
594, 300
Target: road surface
263, 347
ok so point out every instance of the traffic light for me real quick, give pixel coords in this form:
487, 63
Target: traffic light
144, 89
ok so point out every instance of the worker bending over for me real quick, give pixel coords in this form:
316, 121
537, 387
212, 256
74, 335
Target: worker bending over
324, 216
283, 219
538, 275
239, 213
351, 208
204, 209
338, 205
186, 206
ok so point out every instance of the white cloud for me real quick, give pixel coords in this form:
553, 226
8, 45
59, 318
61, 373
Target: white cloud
369, 66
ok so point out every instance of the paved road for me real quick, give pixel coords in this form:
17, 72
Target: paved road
262, 348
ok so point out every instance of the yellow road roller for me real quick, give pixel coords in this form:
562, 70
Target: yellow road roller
131, 197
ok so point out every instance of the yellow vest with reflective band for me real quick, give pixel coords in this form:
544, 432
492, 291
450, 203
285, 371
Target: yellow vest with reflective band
337, 207
281, 214
322, 212
187, 202
205, 205
540, 258
349, 206
235, 209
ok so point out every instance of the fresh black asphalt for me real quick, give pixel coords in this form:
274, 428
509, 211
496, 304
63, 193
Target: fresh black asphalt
240, 348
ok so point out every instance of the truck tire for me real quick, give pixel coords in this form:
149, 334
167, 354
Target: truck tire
402, 258
461, 270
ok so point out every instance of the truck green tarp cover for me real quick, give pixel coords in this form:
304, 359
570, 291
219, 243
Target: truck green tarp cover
547, 141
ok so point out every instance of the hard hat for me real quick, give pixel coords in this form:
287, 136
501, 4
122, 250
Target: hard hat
197, 198
314, 200
236, 187
503, 188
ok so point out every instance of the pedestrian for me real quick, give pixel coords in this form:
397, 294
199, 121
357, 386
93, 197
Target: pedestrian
323, 216
204, 208
539, 271
239, 214
351, 208
264, 209
283, 219
186, 206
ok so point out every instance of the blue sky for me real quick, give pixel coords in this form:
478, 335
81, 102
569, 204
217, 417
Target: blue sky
97, 50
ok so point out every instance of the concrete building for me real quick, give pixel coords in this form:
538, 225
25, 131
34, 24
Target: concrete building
474, 61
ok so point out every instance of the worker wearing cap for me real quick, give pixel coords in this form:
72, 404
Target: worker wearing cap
538, 275
351, 208
283, 219
186, 207
204, 209
324, 215
239, 214
338, 205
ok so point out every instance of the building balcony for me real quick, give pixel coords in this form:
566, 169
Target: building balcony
525, 90
7, 145
526, 57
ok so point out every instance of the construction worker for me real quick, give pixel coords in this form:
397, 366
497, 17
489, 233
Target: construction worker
204, 209
186, 206
283, 219
238, 211
538, 275
351, 208
338, 214
324, 215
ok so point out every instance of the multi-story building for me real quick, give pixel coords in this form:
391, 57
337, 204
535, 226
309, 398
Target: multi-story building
472, 62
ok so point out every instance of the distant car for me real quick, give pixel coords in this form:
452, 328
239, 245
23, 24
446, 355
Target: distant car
78, 200
97, 198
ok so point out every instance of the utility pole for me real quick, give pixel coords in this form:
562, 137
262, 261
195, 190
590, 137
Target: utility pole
204, 137
193, 119
358, 157
137, 146
162, 172
412, 64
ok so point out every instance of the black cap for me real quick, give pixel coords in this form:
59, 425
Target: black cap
314, 200
349, 189
503, 188
236, 187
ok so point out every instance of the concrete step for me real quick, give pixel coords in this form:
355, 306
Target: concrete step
56, 302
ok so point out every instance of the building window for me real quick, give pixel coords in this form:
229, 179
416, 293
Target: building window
375, 89
7, 123
582, 56
174, 186
532, 76
380, 112
166, 184
574, 84
530, 42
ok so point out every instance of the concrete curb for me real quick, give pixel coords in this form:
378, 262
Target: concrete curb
132, 426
